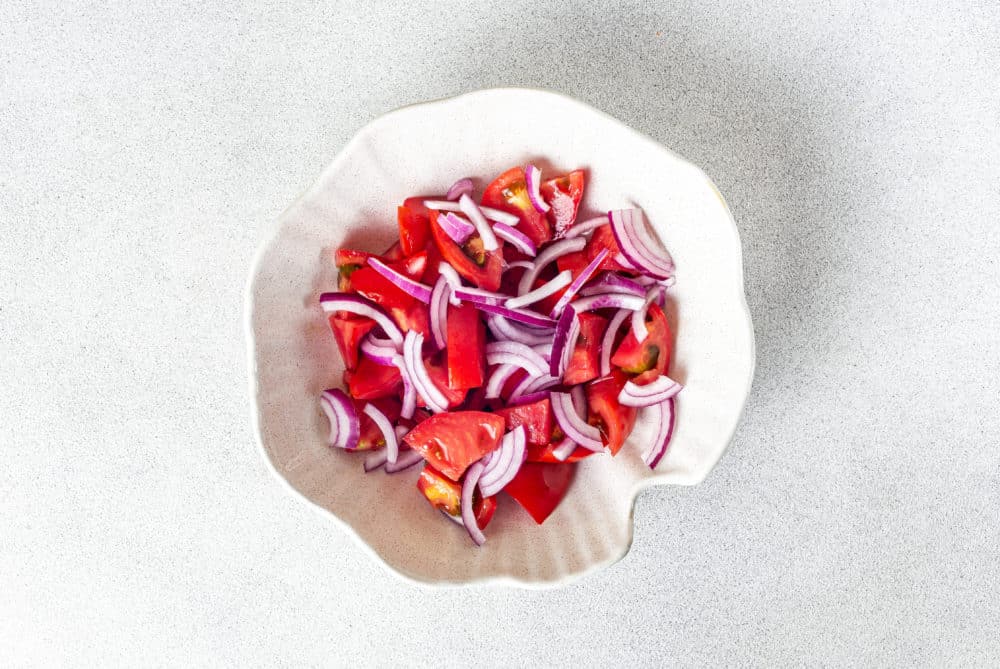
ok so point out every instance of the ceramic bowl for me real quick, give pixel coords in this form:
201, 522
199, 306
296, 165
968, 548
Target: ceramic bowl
421, 149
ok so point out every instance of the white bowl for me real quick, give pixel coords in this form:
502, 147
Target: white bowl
421, 149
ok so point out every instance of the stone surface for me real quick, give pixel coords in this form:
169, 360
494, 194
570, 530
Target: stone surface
145, 147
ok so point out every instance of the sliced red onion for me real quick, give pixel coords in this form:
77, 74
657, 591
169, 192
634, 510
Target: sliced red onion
578, 283
493, 214
475, 214
608, 301
413, 288
611, 282
521, 241
544, 350
375, 460
608, 342
405, 460
439, 312
385, 427
495, 479
625, 262
519, 315
533, 180
564, 449
639, 328
401, 431
573, 425
633, 238
584, 227
472, 475
579, 397
414, 362
567, 330
454, 280
505, 330
378, 352
528, 398
459, 188
362, 306
531, 385
560, 281
498, 378
345, 427
513, 353
456, 227
552, 252
660, 389
526, 264
478, 296
409, 390
667, 417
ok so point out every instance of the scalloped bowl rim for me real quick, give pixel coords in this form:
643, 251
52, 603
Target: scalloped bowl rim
270, 236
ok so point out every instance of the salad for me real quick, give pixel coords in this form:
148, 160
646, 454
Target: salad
499, 342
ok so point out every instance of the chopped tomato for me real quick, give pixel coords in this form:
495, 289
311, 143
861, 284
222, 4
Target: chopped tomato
653, 354
433, 270
351, 257
393, 253
438, 373
452, 441
515, 379
602, 239
414, 317
539, 488
563, 194
545, 305
466, 347
349, 329
573, 262
584, 365
509, 193
446, 495
379, 289
483, 268
371, 380
371, 436
414, 225
614, 421
414, 266
544, 453
536, 418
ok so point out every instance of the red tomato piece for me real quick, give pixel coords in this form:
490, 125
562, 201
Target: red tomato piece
414, 267
653, 354
602, 239
371, 435
509, 193
544, 454
563, 194
446, 495
613, 420
536, 418
371, 380
484, 508
414, 317
452, 441
545, 305
539, 488
483, 268
344, 257
393, 253
414, 225
379, 289
349, 329
584, 365
573, 262
466, 349
438, 373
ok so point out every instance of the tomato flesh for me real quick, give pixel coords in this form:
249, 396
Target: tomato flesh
545, 454
371, 436
584, 364
371, 380
414, 225
446, 495
509, 192
452, 441
413, 317
348, 330
539, 487
614, 421
379, 289
536, 417
482, 268
563, 194
466, 348
438, 373
652, 356
604, 238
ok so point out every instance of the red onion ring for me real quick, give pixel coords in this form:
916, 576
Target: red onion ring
578, 283
533, 180
519, 315
362, 306
659, 390
573, 425
385, 427
498, 378
472, 475
513, 353
460, 187
456, 227
405, 460
551, 252
608, 342
478, 296
409, 390
557, 283
521, 241
413, 288
439, 312
475, 214
506, 330
454, 280
493, 214
567, 331
608, 301
637, 246
375, 460
345, 427
584, 227
414, 362
666, 419
564, 449
495, 478
639, 328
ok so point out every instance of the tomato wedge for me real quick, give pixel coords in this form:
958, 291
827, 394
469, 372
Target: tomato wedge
613, 420
536, 418
379, 289
438, 373
584, 365
652, 356
539, 488
563, 194
446, 495
349, 329
545, 454
466, 349
370, 380
604, 238
452, 441
414, 225
371, 435
509, 193
414, 317
483, 268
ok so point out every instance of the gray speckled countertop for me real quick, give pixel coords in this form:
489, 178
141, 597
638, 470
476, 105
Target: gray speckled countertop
145, 147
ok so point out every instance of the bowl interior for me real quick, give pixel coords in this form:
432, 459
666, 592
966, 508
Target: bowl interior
421, 150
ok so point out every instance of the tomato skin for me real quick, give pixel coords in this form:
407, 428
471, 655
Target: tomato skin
414, 317
414, 225
393, 253
485, 276
613, 420
604, 238
371, 380
371, 436
466, 348
508, 192
544, 454
452, 441
539, 488
651, 358
348, 330
584, 364
369, 283
536, 418
446, 495
438, 373
484, 508
563, 194
343, 257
